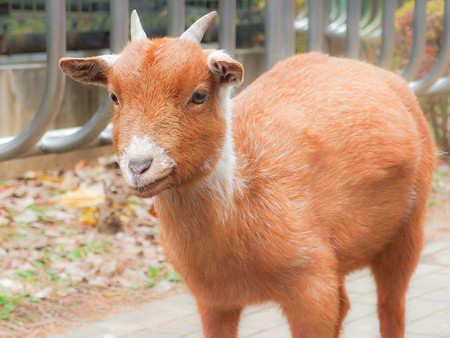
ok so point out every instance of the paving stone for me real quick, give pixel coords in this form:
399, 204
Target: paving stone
358, 311
441, 257
264, 319
420, 308
276, 332
416, 335
361, 286
424, 269
433, 247
430, 282
367, 327
414, 292
436, 325
442, 295
369, 298
357, 274
178, 327
197, 334
428, 310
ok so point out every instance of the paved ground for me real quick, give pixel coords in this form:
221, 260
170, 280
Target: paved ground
428, 309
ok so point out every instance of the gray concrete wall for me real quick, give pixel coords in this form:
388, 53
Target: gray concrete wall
21, 89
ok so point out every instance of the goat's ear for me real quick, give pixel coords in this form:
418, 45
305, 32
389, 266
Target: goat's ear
227, 70
89, 70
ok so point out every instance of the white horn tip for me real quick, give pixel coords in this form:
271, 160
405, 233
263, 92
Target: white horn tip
137, 32
197, 30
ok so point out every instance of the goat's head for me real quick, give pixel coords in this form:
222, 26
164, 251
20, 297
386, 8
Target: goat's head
171, 114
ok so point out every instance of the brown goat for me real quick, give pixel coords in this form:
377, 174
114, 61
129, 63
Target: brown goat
322, 166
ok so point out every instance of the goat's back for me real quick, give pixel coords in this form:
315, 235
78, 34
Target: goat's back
344, 140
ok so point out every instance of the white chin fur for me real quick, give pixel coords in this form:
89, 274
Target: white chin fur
141, 148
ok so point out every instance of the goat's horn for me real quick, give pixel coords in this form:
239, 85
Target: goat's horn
197, 30
137, 33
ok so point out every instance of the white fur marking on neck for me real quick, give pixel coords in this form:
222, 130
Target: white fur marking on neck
222, 178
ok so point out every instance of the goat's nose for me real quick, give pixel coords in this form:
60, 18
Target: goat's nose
140, 166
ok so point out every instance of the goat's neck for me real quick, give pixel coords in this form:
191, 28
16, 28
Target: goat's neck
210, 200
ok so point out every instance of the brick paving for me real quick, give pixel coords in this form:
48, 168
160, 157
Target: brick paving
428, 309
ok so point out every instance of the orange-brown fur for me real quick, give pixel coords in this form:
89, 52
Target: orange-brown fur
333, 167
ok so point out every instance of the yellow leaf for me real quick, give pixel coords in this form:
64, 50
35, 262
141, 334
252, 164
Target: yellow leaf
124, 218
45, 177
82, 197
89, 216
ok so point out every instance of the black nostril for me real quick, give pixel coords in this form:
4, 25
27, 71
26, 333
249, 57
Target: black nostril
140, 166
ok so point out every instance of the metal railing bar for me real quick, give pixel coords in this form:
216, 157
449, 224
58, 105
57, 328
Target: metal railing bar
334, 11
40, 59
176, 18
443, 60
302, 21
368, 14
119, 37
352, 34
375, 21
54, 84
316, 27
441, 85
103, 139
386, 58
273, 33
227, 29
120, 14
419, 41
83, 135
287, 28
338, 26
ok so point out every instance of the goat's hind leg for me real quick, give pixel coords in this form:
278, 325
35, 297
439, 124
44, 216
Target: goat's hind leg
392, 270
219, 322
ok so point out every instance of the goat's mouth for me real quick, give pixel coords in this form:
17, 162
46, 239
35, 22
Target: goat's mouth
151, 189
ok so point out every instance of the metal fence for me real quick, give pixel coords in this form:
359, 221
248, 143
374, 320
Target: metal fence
352, 19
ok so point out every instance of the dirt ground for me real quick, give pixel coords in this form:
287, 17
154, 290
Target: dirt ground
75, 246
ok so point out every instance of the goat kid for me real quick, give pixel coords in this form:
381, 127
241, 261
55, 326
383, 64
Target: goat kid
322, 166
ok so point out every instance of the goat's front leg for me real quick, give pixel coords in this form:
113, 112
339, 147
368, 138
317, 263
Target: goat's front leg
314, 312
219, 323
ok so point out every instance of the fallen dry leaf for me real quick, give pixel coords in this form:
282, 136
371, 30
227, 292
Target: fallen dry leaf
81, 197
80, 165
89, 216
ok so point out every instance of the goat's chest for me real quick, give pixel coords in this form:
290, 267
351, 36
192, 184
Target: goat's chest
231, 266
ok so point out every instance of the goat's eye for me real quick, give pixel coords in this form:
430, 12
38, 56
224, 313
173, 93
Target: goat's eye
114, 98
198, 97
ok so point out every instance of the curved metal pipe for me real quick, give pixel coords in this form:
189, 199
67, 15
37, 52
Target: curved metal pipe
443, 61
227, 24
176, 18
317, 23
333, 11
419, 41
302, 21
84, 135
386, 58
352, 34
375, 20
368, 14
273, 32
54, 84
103, 139
287, 35
89, 132
338, 26
442, 85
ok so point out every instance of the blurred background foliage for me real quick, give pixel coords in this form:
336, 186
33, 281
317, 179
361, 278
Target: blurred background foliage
22, 30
